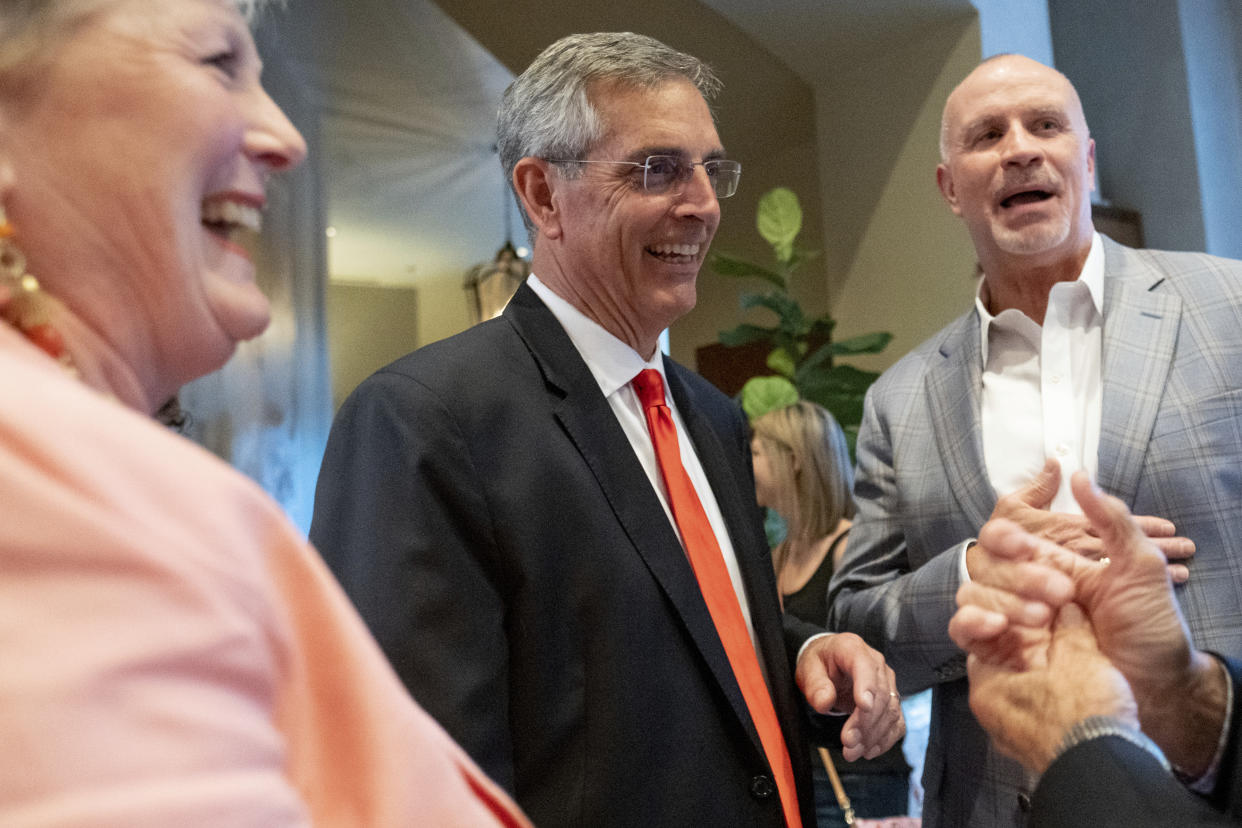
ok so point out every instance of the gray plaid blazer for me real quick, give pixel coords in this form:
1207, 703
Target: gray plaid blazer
1170, 445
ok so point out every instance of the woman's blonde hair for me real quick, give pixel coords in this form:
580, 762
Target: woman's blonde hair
810, 465
30, 30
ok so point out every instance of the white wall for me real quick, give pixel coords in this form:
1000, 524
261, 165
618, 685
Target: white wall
911, 269
903, 263
1128, 64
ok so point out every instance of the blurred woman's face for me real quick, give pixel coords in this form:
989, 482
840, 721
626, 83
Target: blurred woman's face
765, 483
140, 162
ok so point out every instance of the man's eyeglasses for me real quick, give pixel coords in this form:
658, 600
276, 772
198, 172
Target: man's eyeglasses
662, 173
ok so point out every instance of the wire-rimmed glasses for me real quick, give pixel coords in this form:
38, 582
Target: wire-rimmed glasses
663, 172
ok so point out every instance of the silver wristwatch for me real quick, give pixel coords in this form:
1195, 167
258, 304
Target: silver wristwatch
1094, 727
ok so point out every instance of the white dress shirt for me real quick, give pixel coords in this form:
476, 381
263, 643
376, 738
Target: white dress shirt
614, 364
1042, 386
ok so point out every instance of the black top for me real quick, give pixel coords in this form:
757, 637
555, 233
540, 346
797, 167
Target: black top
810, 603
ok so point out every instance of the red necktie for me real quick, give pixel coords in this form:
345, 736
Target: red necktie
709, 568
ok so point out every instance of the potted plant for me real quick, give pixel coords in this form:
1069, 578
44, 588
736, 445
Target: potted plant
804, 359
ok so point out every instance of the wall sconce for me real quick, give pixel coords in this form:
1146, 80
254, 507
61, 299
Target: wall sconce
490, 285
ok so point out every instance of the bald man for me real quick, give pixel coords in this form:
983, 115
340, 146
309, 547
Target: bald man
1078, 354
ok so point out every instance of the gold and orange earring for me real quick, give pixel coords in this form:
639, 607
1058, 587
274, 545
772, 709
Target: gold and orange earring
23, 304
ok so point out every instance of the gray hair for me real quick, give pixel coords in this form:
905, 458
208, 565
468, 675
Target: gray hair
547, 112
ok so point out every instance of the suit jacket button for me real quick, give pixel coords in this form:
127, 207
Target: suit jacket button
1024, 802
762, 787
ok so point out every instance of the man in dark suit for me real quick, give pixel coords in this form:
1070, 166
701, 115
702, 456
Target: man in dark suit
1084, 671
498, 510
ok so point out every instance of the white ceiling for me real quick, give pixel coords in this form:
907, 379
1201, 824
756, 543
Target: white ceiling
409, 102
813, 36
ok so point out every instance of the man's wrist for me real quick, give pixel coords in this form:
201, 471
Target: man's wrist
1204, 781
1186, 718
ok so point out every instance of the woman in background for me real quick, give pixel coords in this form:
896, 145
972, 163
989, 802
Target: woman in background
803, 473
173, 652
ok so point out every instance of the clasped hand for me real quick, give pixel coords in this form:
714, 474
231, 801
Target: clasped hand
1028, 507
1054, 637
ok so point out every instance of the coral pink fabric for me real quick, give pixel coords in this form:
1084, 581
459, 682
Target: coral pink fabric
173, 653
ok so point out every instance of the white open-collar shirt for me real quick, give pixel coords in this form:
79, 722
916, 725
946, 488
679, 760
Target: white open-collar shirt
1042, 384
614, 364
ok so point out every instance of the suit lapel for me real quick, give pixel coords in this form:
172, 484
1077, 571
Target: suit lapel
953, 393
1139, 339
587, 418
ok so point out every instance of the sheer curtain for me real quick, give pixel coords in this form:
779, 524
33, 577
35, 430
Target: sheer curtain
268, 411
398, 105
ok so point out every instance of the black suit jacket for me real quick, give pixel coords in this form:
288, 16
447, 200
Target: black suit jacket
483, 508
1112, 783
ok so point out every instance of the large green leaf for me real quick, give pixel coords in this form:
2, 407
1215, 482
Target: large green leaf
821, 360
841, 389
727, 265
763, 394
779, 221
783, 305
745, 334
800, 257
871, 343
847, 408
782, 362
839, 379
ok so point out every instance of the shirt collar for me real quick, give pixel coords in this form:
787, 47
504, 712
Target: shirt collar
1092, 276
612, 362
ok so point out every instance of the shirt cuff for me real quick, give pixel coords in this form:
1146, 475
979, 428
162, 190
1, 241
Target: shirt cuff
961, 561
807, 643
